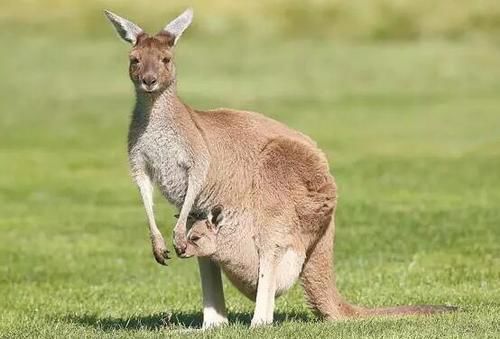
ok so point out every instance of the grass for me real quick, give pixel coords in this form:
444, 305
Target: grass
412, 130
346, 20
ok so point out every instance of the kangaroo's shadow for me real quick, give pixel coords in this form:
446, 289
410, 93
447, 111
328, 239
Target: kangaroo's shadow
160, 321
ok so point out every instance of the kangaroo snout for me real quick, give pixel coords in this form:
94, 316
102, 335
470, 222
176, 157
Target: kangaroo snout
149, 80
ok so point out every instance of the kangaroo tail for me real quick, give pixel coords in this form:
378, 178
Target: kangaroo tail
405, 310
318, 280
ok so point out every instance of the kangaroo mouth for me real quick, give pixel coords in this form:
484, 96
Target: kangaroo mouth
150, 88
154, 88
186, 255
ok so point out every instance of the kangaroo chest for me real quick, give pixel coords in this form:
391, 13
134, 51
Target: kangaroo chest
159, 152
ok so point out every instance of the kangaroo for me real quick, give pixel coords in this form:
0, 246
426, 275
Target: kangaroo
274, 183
207, 238
241, 266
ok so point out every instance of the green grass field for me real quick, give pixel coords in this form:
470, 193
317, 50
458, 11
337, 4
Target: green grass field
411, 128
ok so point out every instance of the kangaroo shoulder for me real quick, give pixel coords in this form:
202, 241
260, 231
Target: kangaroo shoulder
296, 156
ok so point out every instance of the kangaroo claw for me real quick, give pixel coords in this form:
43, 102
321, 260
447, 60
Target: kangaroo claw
161, 257
160, 252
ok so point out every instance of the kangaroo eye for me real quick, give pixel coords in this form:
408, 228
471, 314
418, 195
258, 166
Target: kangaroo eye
166, 60
194, 238
134, 61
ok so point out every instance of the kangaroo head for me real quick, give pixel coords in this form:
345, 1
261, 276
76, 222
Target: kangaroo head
151, 58
202, 237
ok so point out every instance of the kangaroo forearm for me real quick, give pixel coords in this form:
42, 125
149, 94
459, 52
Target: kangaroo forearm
158, 245
146, 190
186, 208
196, 179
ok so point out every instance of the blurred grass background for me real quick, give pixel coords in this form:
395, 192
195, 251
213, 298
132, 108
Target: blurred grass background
403, 96
340, 19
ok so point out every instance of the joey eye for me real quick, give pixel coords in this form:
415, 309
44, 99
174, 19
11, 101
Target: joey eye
165, 60
194, 238
134, 61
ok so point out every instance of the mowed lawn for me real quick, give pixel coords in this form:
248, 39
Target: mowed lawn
412, 131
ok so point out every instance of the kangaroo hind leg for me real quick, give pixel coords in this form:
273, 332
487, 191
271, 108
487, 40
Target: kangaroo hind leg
318, 280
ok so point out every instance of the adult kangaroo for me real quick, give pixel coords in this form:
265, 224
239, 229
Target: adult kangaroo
273, 182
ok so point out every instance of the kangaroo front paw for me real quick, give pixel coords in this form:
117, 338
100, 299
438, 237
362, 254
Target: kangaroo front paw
160, 252
180, 243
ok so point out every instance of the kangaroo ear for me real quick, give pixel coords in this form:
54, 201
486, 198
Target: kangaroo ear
216, 217
177, 26
127, 30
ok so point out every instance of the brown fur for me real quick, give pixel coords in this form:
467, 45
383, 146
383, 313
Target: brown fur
274, 183
151, 57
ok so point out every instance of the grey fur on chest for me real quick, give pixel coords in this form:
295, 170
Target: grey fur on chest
159, 152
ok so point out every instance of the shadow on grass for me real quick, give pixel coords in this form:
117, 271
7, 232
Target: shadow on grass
160, 321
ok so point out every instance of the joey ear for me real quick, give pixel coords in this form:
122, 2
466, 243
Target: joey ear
216, 216
127, 30
177, 26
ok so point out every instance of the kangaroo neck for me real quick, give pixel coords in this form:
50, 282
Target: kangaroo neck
164, 107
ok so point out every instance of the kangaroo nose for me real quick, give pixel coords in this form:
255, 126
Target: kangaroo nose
149, 80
